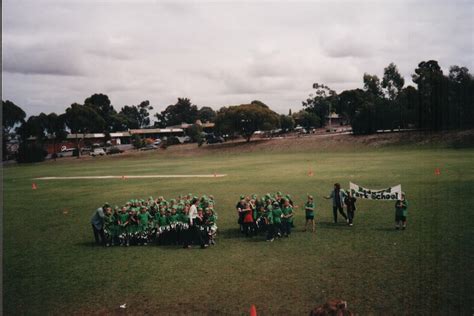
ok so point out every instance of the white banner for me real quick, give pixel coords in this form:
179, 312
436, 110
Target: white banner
392, 193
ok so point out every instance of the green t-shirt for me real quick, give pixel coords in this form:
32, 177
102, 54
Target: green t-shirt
287, 211
183, 218
277, 215
123, 217
401, 210
162, 221
143, 218
173, 218
309, 208
269, 216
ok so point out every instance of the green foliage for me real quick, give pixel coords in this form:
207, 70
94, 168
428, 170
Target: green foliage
206, 114
31, 152
392, 81
321, 102
181, 112
135, 116
287, 123
137, 141
195, 132
12, 115
307, 119
246, 119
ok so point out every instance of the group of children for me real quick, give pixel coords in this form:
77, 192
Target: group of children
183, 221
271, 214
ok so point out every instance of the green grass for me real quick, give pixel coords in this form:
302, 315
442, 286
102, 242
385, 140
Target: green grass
50, 266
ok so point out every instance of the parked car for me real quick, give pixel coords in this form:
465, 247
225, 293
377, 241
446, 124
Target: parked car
149, 147
97, 152
157, 142
213, 139
114, 150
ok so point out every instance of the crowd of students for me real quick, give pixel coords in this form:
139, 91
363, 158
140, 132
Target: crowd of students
183, 221
272, 214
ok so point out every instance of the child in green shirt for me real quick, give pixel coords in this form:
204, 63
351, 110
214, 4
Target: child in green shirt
309, 212
287, 216
401, 211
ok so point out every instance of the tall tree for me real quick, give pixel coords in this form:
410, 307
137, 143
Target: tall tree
246, 119
12, 115
181, 112
287, 122
307, 119
83, 119
136, 116
432, 88
206, 114
348, 103
392, 81
321, 102
372, 85
102, 105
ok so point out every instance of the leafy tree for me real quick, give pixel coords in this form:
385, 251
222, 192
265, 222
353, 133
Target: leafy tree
83, 119
206, 114
364, 119
348, 103
195, 132
12, 115
102, 105
307, 119
136, 116
287, 123
392, 81
246, 119
432, 89
137, 141
181, 112
372, 85
461, 97
33, 152
321, 102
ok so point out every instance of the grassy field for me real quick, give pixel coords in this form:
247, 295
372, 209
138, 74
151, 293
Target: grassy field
51, 267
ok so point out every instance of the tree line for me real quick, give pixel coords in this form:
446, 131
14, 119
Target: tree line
438, 102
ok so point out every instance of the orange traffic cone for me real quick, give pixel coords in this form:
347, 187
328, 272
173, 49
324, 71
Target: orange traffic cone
123, 177
33, 186
437, 172
215, 175
310, 173
253, 310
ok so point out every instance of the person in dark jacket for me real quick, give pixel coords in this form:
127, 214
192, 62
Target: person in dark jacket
337, 196
97, 222
350, 204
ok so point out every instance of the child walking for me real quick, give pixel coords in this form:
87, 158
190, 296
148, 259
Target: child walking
309, 210
401, 210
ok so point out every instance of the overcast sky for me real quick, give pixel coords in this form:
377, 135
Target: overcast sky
219, 53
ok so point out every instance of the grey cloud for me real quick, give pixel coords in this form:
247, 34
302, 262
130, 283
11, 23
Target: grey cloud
59, 52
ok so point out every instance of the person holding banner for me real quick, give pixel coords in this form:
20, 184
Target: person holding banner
337, 195
401, 209
350, 205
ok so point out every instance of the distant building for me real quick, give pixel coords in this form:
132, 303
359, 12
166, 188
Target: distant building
335, 119
207, 127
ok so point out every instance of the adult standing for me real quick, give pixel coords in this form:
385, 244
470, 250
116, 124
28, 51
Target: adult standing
337, 195
350, 205
97, 222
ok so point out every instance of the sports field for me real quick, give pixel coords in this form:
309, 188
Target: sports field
50, 265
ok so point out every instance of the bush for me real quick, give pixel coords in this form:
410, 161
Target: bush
31, 153
137, 142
